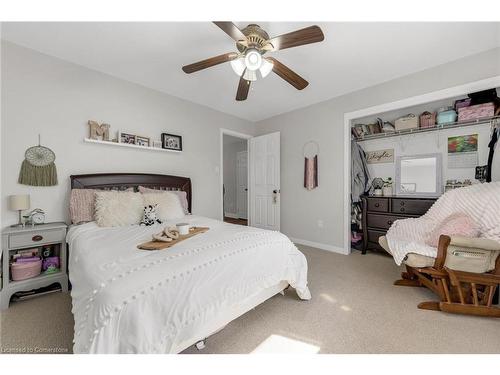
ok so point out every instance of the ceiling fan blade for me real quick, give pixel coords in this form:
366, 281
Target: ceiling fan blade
287, 74
311, 34
191, 68
243, 88
230, 29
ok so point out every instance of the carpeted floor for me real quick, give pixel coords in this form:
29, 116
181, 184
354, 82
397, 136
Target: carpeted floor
354, 309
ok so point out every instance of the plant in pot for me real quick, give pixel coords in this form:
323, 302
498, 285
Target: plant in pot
387, 188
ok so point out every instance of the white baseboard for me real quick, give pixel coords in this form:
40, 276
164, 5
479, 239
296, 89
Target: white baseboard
231, 215
318, 245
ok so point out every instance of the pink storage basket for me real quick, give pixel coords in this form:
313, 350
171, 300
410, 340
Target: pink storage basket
474, 112
428, 120
23, 271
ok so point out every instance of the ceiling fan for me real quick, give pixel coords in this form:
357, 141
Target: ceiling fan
252, 43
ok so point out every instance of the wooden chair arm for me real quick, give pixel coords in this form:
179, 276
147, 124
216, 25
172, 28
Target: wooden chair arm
476, 278
444, 242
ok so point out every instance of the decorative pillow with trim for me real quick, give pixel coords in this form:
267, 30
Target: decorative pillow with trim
181, 194
169, 205
150, 215
118, 208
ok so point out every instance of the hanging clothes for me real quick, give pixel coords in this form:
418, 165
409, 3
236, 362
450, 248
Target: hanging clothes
359, 172
311, 172
493, 169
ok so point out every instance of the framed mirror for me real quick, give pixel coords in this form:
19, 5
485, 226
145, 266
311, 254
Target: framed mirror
419, 175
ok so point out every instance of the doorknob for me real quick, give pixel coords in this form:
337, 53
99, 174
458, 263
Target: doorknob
246, 189
275, 196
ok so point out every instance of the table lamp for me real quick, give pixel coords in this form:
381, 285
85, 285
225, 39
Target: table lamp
19, 203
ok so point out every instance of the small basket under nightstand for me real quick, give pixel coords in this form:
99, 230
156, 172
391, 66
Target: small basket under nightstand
18, 238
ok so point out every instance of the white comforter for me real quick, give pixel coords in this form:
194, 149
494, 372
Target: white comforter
127, 300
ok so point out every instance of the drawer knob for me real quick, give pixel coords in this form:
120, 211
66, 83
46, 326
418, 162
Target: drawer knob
389, 222
37, 238
402, 209
402, 203
377, 205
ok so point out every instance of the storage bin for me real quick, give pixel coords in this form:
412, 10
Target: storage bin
428, 120
446, 115
475, 112
406, 122
23, 271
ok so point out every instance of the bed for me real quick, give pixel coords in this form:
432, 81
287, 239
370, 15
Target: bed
127, 300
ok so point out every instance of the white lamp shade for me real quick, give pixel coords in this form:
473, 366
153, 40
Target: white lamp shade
19, 202
238, 65
253, 59
266, 68
250, 75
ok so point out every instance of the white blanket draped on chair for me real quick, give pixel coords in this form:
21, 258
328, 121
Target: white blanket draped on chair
480, 202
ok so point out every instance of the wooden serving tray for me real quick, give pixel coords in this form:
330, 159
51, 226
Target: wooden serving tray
158, 245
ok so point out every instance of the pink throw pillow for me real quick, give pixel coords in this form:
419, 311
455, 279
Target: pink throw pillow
453, 225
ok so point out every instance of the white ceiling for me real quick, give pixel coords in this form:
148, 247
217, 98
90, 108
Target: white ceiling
352, 56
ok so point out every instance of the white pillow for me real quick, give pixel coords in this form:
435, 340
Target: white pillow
118, 208
169, 205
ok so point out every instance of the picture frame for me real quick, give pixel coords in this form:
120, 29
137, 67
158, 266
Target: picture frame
142, 141
171, 142
127, 138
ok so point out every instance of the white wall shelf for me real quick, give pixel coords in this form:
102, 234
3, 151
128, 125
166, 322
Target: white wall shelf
452, 125
109, 143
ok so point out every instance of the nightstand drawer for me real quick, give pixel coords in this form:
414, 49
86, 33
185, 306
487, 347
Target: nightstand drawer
35, 238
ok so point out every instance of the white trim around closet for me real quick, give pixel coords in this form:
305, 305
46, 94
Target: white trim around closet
386, 107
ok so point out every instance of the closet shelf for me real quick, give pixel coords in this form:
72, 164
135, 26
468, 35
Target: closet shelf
109, 143
450, 125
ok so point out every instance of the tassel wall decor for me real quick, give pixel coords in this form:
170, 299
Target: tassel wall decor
38, 168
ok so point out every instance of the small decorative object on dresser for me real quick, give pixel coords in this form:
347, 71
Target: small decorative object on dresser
142, 141
98, 132
25, 250
387, 189
171, 141
379, 213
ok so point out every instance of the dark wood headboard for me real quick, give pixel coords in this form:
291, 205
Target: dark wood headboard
122, 181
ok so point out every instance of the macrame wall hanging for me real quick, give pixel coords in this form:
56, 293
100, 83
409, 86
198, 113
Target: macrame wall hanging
311, 151
38, 168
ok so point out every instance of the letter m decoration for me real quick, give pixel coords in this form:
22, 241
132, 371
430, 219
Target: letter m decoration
99, 131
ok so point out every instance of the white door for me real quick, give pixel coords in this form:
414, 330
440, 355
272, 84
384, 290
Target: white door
265, 181
241, 184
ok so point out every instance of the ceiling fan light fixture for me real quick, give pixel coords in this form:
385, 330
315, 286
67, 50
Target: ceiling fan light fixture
253, 59
265, 68
250, 75
238, 66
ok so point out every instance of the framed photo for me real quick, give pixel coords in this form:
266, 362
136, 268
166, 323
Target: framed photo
142, 141
171, 142
127, 138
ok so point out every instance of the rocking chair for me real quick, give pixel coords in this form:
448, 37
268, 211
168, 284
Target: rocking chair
464, 275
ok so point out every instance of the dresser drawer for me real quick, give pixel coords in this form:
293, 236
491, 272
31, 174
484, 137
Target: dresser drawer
378, 204
373, 235
381, 221
34, 238
411, 206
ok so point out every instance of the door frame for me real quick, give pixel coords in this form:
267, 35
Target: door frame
237, 178
236, 134
432, 96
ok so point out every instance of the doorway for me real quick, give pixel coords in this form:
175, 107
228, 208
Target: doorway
235, 179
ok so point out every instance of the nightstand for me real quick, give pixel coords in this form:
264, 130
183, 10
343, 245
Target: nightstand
15, 239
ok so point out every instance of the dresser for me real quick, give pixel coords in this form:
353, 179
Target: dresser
380, 212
